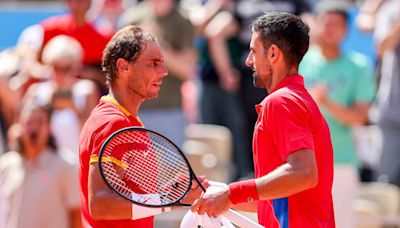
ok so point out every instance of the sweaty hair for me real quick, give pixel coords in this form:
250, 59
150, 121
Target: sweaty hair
128, 43
286, 31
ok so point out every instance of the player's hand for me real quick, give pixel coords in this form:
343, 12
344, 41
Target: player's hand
196, 190
214, 202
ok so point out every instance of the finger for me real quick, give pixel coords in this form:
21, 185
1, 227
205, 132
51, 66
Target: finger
201, 210
205, 184
211, 215
195, 206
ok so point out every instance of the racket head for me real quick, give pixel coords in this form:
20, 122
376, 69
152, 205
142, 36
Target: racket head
145, 168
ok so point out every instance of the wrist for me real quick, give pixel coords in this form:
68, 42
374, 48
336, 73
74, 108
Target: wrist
243, 191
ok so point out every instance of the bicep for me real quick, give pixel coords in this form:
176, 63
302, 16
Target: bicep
303, 163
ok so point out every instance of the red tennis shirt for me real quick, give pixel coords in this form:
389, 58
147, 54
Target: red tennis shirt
289, 120
107, 117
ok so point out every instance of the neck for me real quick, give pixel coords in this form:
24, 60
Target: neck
279, 74
31, 152
330, 52
130, 103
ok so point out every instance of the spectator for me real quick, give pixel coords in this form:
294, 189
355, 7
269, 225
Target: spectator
40, 188
74, 24
343, 87
71, 98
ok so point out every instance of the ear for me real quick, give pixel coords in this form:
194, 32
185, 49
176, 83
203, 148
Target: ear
122, 65
273, 53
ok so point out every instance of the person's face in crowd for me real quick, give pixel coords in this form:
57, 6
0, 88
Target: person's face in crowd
65, 73
35, 128
148, 72
333, 28
257, 60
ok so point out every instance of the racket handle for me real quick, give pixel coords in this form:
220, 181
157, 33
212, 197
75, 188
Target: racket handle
240, 220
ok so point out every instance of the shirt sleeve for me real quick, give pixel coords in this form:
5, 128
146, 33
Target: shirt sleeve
289, 120
102, 133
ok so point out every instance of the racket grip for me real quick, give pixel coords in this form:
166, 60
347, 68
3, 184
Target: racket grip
240, 220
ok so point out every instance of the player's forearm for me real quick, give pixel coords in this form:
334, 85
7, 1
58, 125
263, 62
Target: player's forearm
355, 115
285, 181
106, 208
299, 173
248, 207
296, 175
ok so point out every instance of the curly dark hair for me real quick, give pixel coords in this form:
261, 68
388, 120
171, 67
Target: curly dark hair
128, 43
286, 31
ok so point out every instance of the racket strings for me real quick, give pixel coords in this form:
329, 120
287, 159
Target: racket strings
169, 163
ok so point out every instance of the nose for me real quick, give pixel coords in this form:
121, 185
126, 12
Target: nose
249, 60
164, 71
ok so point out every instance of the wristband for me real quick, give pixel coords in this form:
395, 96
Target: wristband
243, 191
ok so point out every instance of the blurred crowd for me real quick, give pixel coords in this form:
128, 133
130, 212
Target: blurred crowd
52, 78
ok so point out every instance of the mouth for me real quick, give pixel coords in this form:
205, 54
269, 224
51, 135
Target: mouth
158, 84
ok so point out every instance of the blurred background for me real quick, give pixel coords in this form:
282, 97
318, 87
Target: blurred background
50, 55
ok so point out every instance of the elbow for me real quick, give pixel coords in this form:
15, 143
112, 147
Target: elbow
95, 209
310, 178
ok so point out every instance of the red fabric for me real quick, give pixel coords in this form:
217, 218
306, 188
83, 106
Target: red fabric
105, 119
289, 120
237, 189
90, 39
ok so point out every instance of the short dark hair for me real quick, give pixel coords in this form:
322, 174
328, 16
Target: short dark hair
128, 43
286, 31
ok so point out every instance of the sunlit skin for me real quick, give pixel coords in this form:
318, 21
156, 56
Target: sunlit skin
266, 62
148, 72
140, 79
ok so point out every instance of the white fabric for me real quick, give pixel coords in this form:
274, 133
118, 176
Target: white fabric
191, 220
344, 192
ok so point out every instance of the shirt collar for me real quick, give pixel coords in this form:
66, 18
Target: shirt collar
114, 101
288, 80
122, 108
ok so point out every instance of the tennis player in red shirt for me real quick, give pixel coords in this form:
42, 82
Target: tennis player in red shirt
134, 67
292, 149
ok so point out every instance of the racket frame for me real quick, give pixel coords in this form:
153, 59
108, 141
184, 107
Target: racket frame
192, 175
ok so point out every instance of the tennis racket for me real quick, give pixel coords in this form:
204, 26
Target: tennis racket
147, 169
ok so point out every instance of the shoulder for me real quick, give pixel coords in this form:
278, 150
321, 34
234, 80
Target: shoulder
288, 101
104, 120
